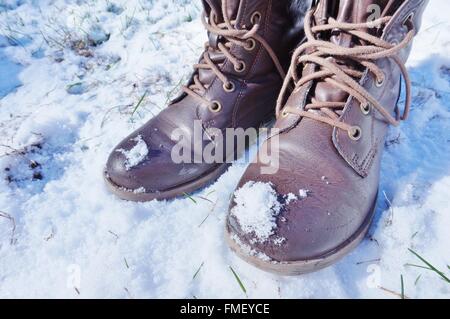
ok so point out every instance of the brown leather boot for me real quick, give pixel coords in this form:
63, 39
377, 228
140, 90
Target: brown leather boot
235, 85
332, 127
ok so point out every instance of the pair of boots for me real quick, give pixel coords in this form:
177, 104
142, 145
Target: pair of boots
334, 96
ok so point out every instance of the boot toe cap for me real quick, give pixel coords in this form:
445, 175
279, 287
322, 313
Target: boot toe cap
132, 164
140, 164
321, 218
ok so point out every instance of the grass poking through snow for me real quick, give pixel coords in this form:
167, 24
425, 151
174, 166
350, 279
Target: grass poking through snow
198, 270
190, 197
429, 266
417, 280
139, 103
402, 286
239, 280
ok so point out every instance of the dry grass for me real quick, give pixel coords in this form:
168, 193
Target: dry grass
13, 226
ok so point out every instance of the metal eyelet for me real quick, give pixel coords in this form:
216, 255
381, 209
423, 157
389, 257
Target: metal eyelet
214, 18
410, 17
355, 133
240, 67
285, 113
215, 106
365, 108
250, 45
256, 17
229, 87
379, 83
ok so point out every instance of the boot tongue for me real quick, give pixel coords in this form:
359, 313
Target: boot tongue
352, 11
232, 7
231, 11
349, 11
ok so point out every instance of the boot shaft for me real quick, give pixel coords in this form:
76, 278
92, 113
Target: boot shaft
361, 151
338, 173
361, 11
350, 11
280, 26
364, 154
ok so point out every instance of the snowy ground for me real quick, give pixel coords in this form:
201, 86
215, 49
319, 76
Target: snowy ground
71, 73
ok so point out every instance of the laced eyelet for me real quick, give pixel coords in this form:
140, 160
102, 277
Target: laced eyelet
365, 108
250, 45
240, 67
379, 82
229, 87
256, 17
214, 18
410, 17
355, 133
215, 107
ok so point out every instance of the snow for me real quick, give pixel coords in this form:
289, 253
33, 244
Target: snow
246, 249
325, 179
70, 232
140, 190
8, 70
256, 210
303, 193
136, 154
290, 198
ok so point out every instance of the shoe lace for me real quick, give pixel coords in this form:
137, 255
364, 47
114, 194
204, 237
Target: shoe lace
228, 31
319, 52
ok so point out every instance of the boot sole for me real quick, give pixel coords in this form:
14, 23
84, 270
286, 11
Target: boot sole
301, 267
172, 193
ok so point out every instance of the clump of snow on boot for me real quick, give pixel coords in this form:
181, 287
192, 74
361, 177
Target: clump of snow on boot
250, 251
140, 190
135, 155
303, 193
257, 208
290, 198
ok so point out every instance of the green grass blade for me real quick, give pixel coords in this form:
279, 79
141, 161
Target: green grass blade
204, 220
238, 280
190, 197
69, 86
211, 192
403, 286
440, 273
418, 266
175, 88
417, 280
206, 199
198, 270
139, 102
